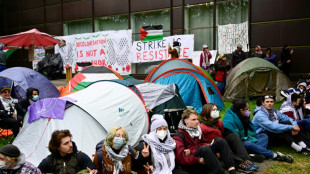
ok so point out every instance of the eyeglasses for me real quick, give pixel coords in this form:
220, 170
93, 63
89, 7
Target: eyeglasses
268, 96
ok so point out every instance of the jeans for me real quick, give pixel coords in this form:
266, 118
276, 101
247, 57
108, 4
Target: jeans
221, 86
305, 123
259, 147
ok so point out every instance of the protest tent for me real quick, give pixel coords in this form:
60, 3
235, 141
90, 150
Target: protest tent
34, 137
255, 77
88, 76
160, 97
115, 103
195, 87
20, 79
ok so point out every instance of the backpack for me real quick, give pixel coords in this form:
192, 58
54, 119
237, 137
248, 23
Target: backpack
100, 153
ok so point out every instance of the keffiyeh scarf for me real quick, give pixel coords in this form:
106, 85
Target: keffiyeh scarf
117, 158
193, 132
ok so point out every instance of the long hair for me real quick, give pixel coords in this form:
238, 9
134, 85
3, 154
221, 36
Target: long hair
206, 110
55, 141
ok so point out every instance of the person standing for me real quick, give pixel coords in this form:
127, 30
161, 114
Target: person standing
175, 52
221, 68
258, 52
286, 59
238, 56
13, 161
205, 57
2, 59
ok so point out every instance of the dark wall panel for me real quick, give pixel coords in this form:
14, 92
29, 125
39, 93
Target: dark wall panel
53, 13
69, 1
137, 5
12, 31
52, 2
77, 10
196, 1
27, 4
12, 5
33, 16
177, 18
177, 3
277, 34
38, 27
177, 32
301, 61
269, 10
110, 7
54, 29
12, 20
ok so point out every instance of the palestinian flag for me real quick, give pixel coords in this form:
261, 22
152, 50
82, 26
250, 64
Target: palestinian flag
8, 52
150, 33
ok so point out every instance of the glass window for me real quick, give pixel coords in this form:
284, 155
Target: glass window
161, 17
198, 20
111, 23
231, 13
78, 27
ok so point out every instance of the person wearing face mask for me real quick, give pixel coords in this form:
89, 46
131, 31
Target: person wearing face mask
237, 120
23, 104
117, 156
13, 161
194, 154
64, 157
212, 127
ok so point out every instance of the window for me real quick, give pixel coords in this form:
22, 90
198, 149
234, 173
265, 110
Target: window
78, 27
111, 23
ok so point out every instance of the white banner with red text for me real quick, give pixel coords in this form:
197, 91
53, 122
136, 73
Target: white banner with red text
158, 50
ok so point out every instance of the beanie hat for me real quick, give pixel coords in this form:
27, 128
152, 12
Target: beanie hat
10, 150
205, 46
302, 84
239, 46
158, 121
5, 88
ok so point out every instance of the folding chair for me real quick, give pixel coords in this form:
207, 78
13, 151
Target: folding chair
6, 136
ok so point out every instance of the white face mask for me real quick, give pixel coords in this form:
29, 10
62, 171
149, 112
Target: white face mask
2, 165
161, 134
215, 114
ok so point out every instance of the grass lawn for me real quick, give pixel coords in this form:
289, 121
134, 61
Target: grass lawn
301, 164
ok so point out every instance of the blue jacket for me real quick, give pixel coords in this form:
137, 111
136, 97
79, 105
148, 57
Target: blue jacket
261, 122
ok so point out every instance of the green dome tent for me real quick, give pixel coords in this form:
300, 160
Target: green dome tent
255, 77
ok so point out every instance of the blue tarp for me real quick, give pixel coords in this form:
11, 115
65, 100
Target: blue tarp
20, 79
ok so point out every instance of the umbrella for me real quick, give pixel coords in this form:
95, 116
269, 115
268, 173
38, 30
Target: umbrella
29, 40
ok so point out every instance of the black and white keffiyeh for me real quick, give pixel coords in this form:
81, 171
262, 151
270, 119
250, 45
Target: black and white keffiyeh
117, 158
271, 113
193, 132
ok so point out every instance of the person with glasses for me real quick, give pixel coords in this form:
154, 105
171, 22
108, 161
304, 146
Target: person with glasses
8, 114
280, 128
237, 120
212, 127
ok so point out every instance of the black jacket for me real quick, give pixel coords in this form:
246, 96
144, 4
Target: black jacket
83, 161
22, 106
237, 58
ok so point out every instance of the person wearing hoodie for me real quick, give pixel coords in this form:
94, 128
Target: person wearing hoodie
238, 56
161, 159
280, 128
258, 52
237, 120
286, 59
301, 89
13, 161
32, 96
175, 52
205, 57
64, 157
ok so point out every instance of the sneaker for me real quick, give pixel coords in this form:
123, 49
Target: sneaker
305, 151
284, 158
245, 168
250, 163
257, 158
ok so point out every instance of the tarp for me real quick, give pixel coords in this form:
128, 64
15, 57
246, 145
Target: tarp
115, 103
21, 79
33, 138
255, 77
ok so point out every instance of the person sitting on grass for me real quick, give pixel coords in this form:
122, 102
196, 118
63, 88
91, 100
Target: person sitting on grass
279, 127
237, 120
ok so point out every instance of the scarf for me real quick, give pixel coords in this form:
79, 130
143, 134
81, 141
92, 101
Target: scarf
271, 113
193, 132
244, 120
9, 105
211, 123
163, 153
288, 106
117, 158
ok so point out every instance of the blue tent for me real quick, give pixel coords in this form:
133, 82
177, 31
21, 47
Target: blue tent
20, 79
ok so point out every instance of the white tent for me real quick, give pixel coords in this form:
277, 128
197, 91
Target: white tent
33, 138
115, 103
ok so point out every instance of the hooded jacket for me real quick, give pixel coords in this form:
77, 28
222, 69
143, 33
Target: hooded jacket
71, 163
22, 106
23, 167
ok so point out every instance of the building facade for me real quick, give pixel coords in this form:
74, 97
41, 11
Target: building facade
272, 23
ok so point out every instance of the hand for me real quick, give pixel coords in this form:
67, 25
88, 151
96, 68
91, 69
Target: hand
296, 128
292, 51
228, 63
218, 155
149, 168
288, 61
145, 152
187, 152
294, 132
94, 171
201, 161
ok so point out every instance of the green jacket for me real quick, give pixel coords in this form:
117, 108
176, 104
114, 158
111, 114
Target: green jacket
232, 122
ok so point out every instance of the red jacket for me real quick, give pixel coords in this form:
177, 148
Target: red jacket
209, 133
192, 145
